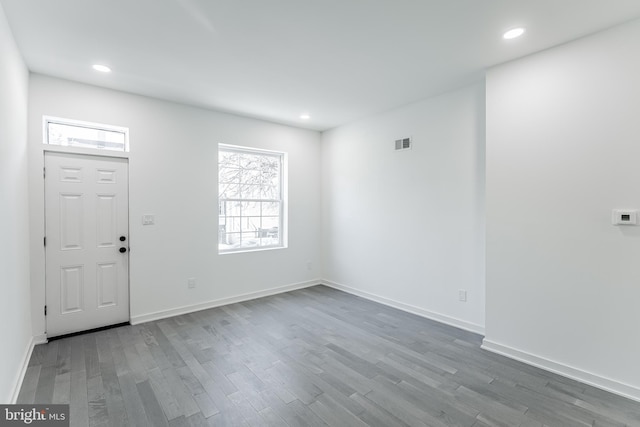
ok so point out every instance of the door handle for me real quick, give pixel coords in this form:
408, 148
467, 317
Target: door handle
123, 250
122, 238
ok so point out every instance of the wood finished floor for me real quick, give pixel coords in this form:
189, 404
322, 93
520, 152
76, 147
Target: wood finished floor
311, 357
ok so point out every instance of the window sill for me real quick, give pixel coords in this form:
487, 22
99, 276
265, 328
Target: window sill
245, 250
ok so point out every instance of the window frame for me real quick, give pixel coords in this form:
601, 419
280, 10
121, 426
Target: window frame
46, 120
282, 214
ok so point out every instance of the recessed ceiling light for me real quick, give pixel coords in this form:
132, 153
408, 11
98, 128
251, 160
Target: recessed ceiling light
101, 68
513, 33
305, 116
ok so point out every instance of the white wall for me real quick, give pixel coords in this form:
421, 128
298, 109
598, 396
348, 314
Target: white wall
173, 174
407, 228
563, 150
15, 321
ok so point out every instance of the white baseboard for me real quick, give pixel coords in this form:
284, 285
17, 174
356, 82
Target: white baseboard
442, 318
163, 314
17, 383
597, 381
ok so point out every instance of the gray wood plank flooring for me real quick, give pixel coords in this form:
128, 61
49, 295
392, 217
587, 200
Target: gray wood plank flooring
312, 357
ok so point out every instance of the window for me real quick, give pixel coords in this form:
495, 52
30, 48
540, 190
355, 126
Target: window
250, 198
73, 133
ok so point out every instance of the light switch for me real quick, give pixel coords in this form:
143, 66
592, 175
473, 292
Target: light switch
148, 219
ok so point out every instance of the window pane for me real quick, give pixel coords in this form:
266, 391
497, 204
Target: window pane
85, 137
228, 175
270, 222
251, 223
228, 158
251, 209
233, 224
270, 236
229, 240
245, 178
249, 240
229, 208
271, 178
251, 176
270, 241
234, 208
250, 161
271, 169
270, 208
269, 192
250, 191
229, 191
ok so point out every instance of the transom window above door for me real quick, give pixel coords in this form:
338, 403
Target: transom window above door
74, 133
250, 199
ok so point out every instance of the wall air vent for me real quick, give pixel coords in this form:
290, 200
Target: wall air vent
403, 144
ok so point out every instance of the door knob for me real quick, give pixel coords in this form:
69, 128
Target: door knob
123, 250
122, 238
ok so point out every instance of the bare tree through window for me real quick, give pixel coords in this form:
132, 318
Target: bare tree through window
250, 199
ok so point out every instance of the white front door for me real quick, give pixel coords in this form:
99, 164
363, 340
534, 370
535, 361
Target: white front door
87, 242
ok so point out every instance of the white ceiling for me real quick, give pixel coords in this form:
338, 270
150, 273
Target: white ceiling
338, 60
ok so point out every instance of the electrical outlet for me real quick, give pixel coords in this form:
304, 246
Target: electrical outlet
191, 282
462, 295
309, 265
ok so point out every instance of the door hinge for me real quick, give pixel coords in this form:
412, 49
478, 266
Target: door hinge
45, 310
44, 173
45, 241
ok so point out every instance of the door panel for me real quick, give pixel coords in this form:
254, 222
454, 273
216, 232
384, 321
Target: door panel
86, 210
106, 176
107, 284
69, 174
71, 287
107, 221
71, 215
